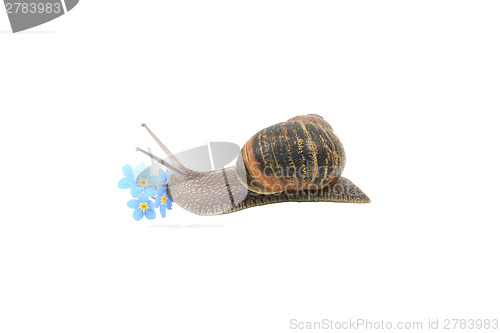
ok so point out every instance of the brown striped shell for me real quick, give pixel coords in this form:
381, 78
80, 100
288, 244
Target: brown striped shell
302, 153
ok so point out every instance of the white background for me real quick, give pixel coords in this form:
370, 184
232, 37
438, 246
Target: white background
410, 87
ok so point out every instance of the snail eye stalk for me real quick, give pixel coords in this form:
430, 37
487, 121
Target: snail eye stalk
170, 156
169, 166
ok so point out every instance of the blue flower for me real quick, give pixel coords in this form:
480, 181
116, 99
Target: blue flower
164, 176
139, 180
162, 199
142, 206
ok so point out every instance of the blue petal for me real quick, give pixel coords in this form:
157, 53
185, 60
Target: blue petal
150, 214
163, 211
165, 175
130, 179
161, 191
123, 184
143, 173
140, 168
168, 204
149, 203
138, 214
157, 201
143, 197
127, 170
134, 203
150, 192
155, 180
135, 191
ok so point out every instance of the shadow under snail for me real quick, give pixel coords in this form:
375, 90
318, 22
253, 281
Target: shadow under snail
298, 160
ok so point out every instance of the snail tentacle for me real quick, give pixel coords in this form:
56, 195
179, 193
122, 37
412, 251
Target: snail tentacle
168, 165
167, 151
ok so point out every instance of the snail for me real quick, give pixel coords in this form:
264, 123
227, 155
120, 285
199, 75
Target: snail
298, 160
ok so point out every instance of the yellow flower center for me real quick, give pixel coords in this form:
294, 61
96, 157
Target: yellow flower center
143, 206
143, 182
163, 199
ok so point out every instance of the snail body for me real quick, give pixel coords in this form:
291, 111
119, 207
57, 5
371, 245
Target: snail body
298, 160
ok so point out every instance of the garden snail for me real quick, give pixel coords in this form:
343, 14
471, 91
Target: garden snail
297, 160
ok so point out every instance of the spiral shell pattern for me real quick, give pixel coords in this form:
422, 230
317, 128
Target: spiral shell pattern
300, 154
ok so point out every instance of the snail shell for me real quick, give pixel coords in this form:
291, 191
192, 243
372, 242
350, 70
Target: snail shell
302, 153
298, 160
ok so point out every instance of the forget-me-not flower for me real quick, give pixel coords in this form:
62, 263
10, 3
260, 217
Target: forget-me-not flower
142, 206
139, 180
163, 201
